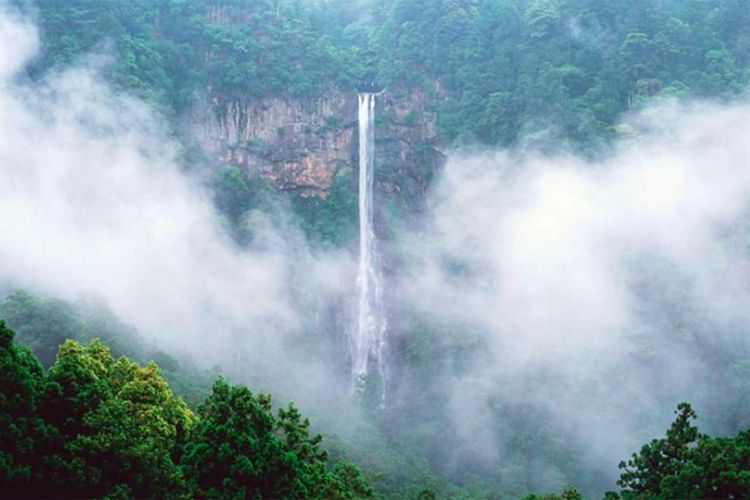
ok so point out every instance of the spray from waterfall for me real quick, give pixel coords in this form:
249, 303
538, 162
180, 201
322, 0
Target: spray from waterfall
368, 338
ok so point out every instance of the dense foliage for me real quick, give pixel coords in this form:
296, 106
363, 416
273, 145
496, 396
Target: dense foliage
96, 426
19, 398
113, 427
239, 450
687, 464
44, 324
545, 72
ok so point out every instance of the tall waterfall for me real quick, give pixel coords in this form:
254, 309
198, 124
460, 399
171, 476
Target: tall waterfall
368, 339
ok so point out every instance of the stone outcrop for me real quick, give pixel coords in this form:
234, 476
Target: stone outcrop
301, 144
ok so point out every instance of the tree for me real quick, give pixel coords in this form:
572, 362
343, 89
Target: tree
22, 379
688, 465
646, 470
95, 426
116, 426
239, 449
568, 493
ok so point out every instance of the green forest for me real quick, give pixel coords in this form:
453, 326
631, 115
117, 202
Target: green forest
91, 424
92, 406
551, 73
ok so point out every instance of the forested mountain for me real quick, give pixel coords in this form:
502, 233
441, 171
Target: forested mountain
560, 211
497, 71
267, 85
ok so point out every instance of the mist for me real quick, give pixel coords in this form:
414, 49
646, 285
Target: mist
602, 293
595, 295
93, 201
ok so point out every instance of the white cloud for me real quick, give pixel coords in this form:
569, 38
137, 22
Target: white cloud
92, 200
601, 279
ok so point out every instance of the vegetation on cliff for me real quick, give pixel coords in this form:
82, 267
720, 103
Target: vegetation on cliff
548, 73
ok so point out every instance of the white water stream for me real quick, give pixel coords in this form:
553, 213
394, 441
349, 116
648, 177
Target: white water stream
368, 338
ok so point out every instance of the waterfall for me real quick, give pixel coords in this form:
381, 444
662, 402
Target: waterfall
368, 338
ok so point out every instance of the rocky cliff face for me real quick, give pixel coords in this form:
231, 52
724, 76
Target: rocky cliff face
301, 144
407, 148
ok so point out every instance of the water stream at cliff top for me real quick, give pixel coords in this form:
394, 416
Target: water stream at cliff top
368, 337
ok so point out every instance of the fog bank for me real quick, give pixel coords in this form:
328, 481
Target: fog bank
92, 200
603, 293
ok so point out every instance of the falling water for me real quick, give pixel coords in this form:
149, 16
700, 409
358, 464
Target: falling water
368, 340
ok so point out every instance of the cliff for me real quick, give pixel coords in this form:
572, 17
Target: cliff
301, 144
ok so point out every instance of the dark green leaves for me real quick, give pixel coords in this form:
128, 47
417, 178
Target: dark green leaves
239, 449
96, 426
688, 465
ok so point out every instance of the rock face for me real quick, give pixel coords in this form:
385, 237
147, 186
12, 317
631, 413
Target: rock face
301, 144
407, 148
